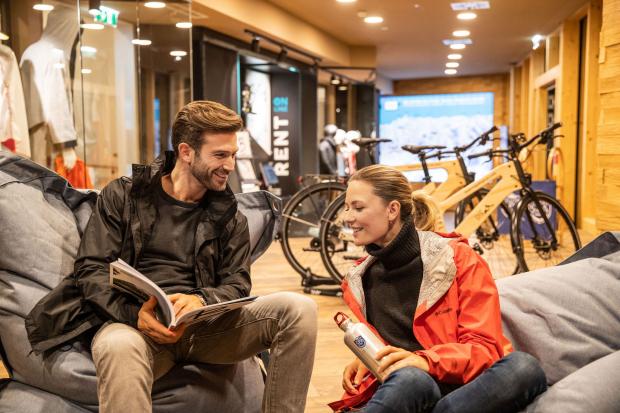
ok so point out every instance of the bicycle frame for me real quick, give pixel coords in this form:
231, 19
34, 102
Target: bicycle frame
440, 192
505, 181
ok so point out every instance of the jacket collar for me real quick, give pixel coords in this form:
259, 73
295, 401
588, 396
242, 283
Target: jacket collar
438, 274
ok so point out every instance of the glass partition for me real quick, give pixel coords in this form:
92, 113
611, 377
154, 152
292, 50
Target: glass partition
101, 82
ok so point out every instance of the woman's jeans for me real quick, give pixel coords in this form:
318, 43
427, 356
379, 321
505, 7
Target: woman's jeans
509, 385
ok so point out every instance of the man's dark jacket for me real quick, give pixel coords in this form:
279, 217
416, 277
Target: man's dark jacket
120, 226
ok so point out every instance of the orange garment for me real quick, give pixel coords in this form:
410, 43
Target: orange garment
457, 320
77, 176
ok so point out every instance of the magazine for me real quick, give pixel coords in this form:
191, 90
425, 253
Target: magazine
126, 278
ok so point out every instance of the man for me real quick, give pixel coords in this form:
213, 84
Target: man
178, 224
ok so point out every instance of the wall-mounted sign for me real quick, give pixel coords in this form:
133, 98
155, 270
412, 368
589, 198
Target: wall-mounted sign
107, 16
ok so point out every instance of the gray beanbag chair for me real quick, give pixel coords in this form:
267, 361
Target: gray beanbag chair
41, 219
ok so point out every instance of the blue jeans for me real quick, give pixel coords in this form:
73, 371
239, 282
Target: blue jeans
509, 385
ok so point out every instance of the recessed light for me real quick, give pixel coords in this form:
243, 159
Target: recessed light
457, 46
536, 39
88, 51
43, 7
346, 1
92, 26
450, 71
179, 53
155, 4
460, 33
177, 58
452, 65
455, 56
87, 71
373, 19
468, 15
141, 42
184, 25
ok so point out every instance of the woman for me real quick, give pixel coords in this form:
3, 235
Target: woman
432, 299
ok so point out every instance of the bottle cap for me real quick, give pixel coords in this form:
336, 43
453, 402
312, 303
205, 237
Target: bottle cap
340, 318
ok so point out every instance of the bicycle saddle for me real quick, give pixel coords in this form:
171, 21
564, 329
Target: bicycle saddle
369, 141
415, 149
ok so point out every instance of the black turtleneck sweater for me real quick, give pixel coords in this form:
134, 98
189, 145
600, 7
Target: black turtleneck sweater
392, 286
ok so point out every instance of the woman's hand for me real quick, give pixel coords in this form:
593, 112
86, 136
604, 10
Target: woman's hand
353, 375
394, 358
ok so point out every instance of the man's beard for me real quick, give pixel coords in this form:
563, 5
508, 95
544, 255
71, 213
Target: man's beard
204, 175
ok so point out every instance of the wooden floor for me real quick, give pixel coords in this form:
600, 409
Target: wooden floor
272, 273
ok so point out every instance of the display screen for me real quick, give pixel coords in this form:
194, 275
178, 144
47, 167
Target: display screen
451, 120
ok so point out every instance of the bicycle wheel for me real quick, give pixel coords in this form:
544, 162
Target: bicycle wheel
338, 251
300, 226
491, 239
543, 242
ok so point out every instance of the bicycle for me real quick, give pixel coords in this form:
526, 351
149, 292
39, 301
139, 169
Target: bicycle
548, 242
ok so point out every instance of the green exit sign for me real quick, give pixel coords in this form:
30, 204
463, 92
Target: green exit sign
107, 16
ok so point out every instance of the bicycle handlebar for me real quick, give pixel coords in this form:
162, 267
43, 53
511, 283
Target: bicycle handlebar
490, 153
543, 135
416, 149
482, 138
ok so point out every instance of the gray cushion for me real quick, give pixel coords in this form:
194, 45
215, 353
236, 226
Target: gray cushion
566, 316
40, 225
592, 389
17, 397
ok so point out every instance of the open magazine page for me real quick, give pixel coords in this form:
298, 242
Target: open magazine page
213, 310
125, 278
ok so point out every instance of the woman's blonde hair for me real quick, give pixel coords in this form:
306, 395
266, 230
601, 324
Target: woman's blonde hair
391, 185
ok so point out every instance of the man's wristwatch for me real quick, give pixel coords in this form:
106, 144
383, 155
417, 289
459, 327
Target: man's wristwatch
202, 299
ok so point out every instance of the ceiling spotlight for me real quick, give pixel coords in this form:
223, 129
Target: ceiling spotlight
92, 26
155, 4
373, 19
346, 1
452, 65
460, 33
455, 56
536, 39
184, 25
335, 80
282, 55
178, 53
87, 71
93, 7
468, 15
457, 46
255, 45
43, 7
343, 88
177, 58
4, 36
141, 42
450, 71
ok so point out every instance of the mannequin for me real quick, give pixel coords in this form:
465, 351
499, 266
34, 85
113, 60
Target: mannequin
45, 74
328, 151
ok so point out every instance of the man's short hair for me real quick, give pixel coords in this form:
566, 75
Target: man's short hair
200, 116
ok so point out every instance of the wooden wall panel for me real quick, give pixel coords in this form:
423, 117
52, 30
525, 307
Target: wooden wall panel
496, 83
608, 140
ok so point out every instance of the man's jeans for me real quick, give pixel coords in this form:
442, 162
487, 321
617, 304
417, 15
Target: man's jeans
509, 385
128, 362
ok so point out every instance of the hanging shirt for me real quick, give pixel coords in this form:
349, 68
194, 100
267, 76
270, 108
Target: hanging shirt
13, 123
77, 176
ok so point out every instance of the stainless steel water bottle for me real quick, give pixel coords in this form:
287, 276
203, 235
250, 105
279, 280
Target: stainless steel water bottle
361, 340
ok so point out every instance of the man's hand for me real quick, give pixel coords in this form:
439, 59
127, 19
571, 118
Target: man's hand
353, 375
394, 358
184, 303
149, 325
